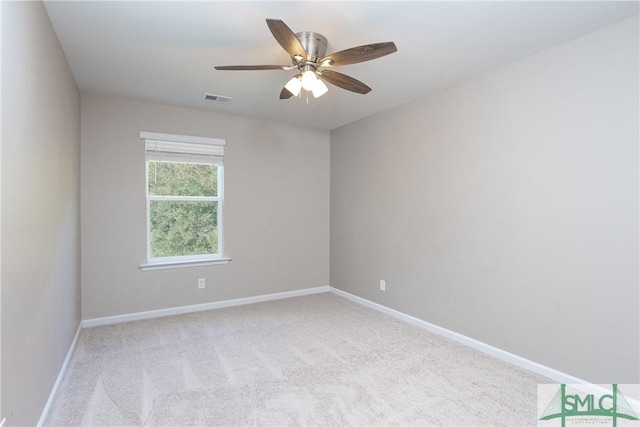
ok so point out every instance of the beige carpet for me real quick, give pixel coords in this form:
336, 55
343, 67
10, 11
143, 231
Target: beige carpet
314, 360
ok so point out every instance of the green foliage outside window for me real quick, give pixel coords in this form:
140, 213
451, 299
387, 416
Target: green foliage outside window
182, 179
184, 227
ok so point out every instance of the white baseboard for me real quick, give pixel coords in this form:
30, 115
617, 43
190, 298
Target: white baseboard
555, 375
551, 373
100, 321
61, 375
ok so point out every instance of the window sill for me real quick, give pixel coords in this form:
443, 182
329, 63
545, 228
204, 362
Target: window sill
182, 264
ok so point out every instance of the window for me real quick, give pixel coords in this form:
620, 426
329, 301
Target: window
185, 187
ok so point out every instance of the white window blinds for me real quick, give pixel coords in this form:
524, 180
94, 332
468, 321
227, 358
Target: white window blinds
167, 147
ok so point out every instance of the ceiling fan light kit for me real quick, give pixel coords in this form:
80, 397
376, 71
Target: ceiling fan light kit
307, 50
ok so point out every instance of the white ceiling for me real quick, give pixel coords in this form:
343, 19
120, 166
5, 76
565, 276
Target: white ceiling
165, 51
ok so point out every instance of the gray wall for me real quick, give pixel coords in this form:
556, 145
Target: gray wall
40, 210
506, 208
276, 208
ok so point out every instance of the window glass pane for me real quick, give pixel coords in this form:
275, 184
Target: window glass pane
183, 228
182, 179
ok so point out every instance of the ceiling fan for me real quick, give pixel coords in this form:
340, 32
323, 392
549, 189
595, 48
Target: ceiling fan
307, 50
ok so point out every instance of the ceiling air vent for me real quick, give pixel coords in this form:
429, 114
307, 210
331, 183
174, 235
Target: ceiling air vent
218, 98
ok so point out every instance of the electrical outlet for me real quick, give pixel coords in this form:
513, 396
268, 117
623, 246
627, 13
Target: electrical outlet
383, 285
201, 284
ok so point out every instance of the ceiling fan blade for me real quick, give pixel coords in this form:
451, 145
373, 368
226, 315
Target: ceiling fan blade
344, 81
359, 54
252, 67
285, 94
286, 38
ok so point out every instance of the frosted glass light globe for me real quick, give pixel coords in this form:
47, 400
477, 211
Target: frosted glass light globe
309, 79
319, 88
294, 86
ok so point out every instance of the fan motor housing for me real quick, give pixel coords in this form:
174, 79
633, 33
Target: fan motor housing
314, 44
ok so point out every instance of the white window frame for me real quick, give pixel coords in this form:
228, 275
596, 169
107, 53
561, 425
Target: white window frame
154, 263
